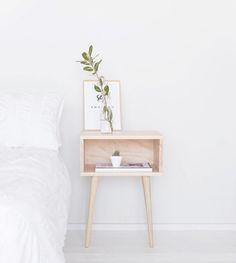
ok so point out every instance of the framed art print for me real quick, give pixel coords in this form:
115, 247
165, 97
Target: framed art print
93, 105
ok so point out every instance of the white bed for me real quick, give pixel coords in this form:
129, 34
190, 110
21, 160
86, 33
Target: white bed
34, 197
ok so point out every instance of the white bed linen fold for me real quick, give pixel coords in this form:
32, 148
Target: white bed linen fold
34, 198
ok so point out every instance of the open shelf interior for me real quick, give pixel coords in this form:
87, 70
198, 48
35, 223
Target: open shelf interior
132, 151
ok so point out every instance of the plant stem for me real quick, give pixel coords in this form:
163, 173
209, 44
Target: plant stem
105, 101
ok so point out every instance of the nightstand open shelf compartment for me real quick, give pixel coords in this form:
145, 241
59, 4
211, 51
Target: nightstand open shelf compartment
134, 147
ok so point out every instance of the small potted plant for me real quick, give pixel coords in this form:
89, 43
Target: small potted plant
116, 159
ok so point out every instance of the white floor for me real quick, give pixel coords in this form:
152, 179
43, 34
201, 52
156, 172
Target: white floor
170, 247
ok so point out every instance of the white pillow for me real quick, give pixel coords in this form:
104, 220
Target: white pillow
30, 120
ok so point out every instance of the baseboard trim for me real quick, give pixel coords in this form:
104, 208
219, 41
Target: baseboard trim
166, 227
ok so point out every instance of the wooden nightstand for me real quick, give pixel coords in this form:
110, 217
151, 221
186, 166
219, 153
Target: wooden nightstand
140, 146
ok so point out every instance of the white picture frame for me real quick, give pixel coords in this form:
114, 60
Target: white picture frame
93, 106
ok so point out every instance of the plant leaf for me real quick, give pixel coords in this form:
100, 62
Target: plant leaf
95, 68
90, 50
85, 56
84, 62
99, 62
101, 82
97, 88
88, 69
106, 88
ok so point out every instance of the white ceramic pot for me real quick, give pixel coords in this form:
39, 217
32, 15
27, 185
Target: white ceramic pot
116, 161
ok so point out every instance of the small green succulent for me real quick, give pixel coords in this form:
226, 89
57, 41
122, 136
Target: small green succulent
116, 153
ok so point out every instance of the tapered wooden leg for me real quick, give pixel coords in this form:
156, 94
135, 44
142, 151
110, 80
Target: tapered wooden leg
94, 181
147, 196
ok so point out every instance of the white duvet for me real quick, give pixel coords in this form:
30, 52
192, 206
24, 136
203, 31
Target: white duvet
34, 197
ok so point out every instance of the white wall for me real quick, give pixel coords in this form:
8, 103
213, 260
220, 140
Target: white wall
176, 61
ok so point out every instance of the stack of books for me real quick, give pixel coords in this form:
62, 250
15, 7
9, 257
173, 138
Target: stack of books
128, 167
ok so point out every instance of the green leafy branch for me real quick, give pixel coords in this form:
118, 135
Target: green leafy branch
91, 64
